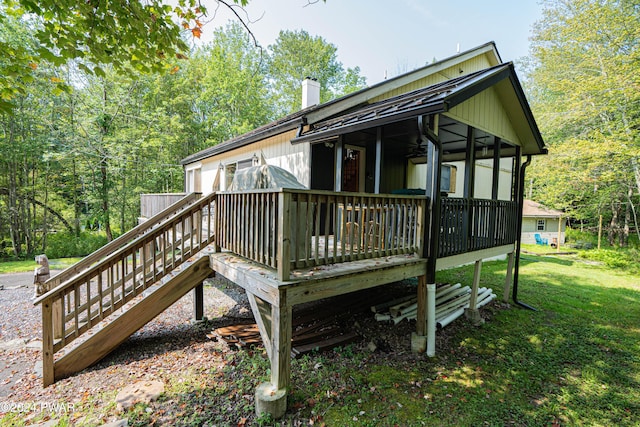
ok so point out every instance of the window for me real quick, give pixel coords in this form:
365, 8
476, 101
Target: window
194, 180
542, 225
243, 164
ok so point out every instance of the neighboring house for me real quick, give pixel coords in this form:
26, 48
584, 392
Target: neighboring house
413, 175
548, 223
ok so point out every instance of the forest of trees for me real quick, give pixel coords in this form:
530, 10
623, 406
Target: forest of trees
583, 82
77, 158
90, 123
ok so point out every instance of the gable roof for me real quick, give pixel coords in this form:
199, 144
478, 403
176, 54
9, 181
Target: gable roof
437, 98
318, 114
535, 209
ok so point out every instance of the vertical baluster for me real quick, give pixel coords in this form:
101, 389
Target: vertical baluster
110, 282
123, 282
76, 297
154, 256
88, 283
100, 294
63, 318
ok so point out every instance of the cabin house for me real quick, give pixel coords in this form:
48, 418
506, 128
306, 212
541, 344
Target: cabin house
542, 225
419, 173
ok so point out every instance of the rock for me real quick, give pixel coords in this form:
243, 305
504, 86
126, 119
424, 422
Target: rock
139, 392
35, 344
50, 423
37, 369
119, 423
372, 346
10, 345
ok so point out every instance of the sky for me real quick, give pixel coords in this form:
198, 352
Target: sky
394, 36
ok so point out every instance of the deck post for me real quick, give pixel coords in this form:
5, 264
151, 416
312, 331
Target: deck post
509, 278
198, 303
472, 313
418, 338
284, 236
48, 376
271, 397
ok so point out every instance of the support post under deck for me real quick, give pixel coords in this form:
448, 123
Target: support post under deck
271, 397
472, 313
424, 339
198, 303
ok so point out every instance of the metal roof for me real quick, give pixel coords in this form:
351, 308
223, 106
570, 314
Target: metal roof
433, 99
336, 106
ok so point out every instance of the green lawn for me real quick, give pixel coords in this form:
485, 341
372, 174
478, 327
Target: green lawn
573, 362
30, 265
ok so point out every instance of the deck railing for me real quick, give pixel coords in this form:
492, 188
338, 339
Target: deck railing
468, 225
289, 229
85, 296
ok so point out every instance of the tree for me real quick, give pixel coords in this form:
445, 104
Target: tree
584, 84
296, 55
131, 36
233, 97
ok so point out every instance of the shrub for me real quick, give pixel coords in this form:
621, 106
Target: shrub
65, 245
628, 259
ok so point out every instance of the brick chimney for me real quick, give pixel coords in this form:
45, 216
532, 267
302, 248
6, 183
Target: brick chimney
310, 92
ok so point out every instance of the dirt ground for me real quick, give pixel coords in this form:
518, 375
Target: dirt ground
167, 342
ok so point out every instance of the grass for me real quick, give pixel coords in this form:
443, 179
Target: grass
30, 265
573, 362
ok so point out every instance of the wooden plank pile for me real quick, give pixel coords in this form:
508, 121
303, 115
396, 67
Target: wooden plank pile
316, 327
451, 301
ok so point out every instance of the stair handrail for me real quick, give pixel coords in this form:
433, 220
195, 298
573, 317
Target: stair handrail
159, 223
119, 242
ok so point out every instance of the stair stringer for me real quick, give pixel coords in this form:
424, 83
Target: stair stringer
112, 332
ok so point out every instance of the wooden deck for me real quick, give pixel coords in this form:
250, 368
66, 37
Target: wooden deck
284, 247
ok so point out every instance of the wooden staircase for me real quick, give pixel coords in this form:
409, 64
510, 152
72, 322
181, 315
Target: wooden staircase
96, 304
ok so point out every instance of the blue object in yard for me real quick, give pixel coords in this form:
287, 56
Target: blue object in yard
540, 240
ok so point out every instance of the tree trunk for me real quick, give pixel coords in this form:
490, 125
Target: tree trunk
613, 225
105, 198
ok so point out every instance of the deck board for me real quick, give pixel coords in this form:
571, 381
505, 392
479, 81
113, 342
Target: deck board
311, 284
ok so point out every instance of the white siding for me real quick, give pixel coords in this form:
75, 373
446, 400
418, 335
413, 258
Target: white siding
417, 177
276, 150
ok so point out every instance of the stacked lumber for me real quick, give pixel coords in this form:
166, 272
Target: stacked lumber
316, 327
451, 301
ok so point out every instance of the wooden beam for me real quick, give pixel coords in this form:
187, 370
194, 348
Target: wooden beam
476, 284
313, 290
281, 343
284, 235
469, 257
198, 303
262, 314
48, 373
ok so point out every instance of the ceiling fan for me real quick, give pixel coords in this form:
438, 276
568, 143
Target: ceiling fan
418, 155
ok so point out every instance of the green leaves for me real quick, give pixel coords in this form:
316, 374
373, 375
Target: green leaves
586, 98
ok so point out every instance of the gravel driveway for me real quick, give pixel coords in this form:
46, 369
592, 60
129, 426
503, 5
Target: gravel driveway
161, 344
